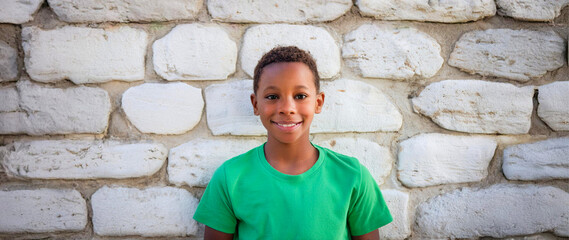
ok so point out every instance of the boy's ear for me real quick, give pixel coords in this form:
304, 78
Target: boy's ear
319, 102
254, 103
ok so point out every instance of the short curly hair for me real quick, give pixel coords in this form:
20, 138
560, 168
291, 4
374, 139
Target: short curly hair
286, 54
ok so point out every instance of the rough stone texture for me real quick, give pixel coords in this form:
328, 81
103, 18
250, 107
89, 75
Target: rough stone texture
84, 55
43, 110
10, 100
428, 11
172, 108
355, 106
152, 212
42, 210
195, 52
260, 39
477, 106
73, 159
233, 117
18, 11
496, 52
193, 163
392, 53
8, 63
270, 11
553, 108
125, 10
539, 236
377, 159
531, 10
498, 211
541, 160
434, 159
398, 204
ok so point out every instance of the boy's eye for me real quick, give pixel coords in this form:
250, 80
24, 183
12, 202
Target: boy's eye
271, 97
300, 96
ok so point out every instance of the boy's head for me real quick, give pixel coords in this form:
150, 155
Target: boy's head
285, 54
287, 94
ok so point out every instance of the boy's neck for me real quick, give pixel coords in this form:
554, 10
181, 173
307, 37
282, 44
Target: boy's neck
292, 158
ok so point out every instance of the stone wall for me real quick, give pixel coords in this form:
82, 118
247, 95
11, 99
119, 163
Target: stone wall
114, 114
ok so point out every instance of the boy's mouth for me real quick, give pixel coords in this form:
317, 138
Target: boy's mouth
287, 125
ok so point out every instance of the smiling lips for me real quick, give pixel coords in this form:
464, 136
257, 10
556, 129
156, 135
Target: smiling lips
287, 125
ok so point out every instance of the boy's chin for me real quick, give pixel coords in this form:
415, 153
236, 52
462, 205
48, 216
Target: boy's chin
290, 139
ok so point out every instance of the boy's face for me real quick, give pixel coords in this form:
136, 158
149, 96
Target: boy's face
286, 101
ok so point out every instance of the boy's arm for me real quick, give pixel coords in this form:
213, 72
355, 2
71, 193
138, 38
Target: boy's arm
373, 235
212, 234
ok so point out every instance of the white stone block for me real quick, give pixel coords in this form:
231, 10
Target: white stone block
377, 159
355, 106
229, 109
540, 236
8, 62
398, 204
434, 159
496, 52
152, 212
553, 108
44, 110
260, 39
541, 160
80, 159
9, 100
428, 11
528, 10
172, 108
18, 11
477, 106
497, 211
84, 55
125, 10
195, 52
270, 11
392, 53
42, 210
193, 163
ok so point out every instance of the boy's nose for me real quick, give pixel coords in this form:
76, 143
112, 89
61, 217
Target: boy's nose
287, 106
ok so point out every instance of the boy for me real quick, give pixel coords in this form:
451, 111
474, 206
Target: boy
289, 188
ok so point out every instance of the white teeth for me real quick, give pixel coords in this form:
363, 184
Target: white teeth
287, 125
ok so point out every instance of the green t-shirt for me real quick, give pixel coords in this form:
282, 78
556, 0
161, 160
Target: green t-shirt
334, 199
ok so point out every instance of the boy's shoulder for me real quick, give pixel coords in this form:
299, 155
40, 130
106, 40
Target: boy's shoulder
243, 159
344, 161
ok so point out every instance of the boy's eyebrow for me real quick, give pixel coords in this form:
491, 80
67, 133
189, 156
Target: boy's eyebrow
295, 87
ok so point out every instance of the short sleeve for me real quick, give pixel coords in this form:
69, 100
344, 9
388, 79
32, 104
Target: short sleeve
214, 209
368, 211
